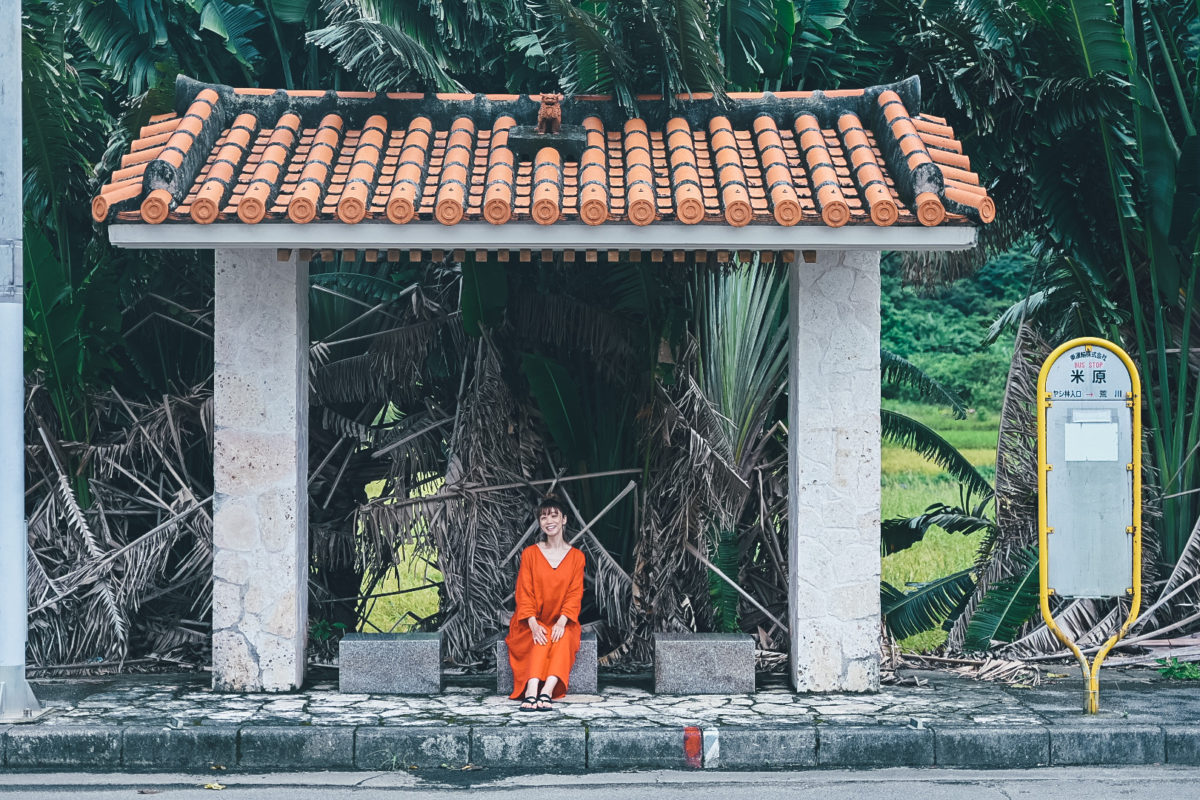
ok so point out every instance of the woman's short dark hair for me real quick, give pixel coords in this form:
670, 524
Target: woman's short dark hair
548, 502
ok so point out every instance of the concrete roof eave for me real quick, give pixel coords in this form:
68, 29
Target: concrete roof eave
519, 235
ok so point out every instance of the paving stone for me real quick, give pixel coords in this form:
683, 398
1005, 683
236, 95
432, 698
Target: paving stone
434, 729
584, 678
703, 663
1182, 743
390, 663
1094, 744
873, 746
517, 747
766, 748
308, 747
33, 745
190, 747
642, 747
413, 746
991, 746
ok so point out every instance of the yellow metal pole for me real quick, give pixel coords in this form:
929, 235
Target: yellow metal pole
1091, 673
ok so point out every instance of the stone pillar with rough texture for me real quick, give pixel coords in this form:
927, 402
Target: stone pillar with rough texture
833, 462
260, 465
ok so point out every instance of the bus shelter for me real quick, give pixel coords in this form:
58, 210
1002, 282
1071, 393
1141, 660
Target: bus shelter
822, 180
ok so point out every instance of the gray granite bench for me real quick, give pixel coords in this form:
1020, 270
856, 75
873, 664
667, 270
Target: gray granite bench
583, 680
390, 663
703, 663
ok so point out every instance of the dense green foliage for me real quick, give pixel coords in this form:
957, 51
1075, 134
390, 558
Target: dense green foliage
1176, 670
942, 329
1080, 116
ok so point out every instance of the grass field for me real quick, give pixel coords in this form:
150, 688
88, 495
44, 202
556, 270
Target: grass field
395, 612
910, 484
414, 576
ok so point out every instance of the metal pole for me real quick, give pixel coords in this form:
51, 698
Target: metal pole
17, 701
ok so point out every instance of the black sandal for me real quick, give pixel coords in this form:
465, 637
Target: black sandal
530, 703
544, 698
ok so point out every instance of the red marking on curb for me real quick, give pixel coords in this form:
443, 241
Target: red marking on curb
692, 746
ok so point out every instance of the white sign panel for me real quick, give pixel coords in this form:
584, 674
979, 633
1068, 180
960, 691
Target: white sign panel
1087, 445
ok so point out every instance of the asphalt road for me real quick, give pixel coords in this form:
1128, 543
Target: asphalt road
1074, 783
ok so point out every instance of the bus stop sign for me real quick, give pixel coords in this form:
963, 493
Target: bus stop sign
1089, 480
1088, 440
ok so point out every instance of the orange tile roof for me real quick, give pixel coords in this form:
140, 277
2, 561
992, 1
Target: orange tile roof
846, 157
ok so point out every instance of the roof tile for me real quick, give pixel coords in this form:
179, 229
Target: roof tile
844, 157
826, 187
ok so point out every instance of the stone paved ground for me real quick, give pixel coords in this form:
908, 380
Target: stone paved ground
177, 700
138, 721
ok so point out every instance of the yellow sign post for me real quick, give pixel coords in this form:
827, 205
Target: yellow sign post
1089, 486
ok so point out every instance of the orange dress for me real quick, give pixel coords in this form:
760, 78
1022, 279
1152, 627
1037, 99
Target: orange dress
547, 593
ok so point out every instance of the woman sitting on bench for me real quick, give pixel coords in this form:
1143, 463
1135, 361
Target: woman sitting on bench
543, 636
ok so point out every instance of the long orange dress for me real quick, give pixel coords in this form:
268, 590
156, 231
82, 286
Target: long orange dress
547, 593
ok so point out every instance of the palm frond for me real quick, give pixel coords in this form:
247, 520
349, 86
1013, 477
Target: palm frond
581, 50
131, 50
743, 338
695, 54
233, 23
901, 533
383, 56
1180, 584
926, 606
1000, 552
724, 554
908, 432
898, 370
1005, 608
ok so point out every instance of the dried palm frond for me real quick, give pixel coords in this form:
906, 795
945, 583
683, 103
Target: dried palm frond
1179, 592
138, 531
1084, 621
687, 476
578, 327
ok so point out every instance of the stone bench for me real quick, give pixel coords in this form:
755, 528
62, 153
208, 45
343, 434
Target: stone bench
583, 680
703, 663
390, 663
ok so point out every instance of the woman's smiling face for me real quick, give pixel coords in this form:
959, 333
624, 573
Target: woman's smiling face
552, 521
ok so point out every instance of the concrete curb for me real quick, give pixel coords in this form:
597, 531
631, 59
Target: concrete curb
1092, 744
407, 747
535, 748
311, 747
530, 747
196, 746
874, 746
986, 747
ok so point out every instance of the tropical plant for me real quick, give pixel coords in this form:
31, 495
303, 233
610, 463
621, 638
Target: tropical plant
1176, 670
742, 362
70, 308
1112, 201
939, 602
143, 45
468, 376
424, 44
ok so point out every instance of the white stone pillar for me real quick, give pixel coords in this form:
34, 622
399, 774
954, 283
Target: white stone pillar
833, 472
260, 465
